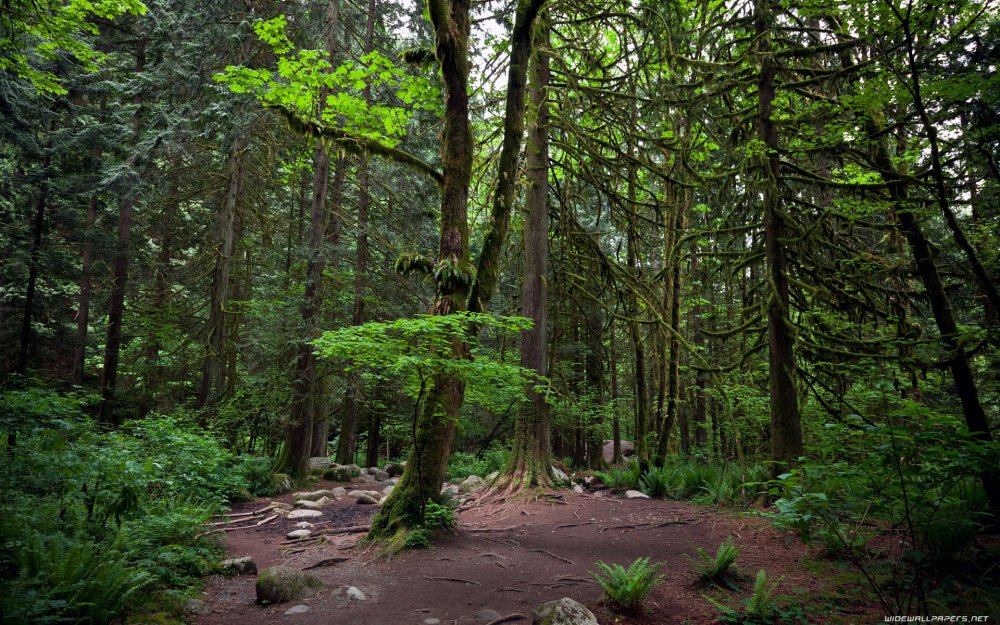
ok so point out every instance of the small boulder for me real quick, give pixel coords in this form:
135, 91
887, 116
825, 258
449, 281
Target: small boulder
312, 505
387, 490
354, 594
472, 483
395, 469
367, 479
315, 495
297, 534
450, 490
559, 474
366, 499
281, 483
342, 472
283, 583
278, 506
354, 494
295, 515
577, 488
303, 525
297, 609
487, 615
320, 463
238, 566
381, 475
392, 480
492, 476
635, 494
563, 611
339, 492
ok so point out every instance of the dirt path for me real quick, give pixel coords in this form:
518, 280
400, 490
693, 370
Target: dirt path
508, 559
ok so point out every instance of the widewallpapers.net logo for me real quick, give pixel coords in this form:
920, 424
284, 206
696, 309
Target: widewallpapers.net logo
937, 619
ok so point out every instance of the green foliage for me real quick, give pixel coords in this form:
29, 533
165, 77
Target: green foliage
415, 350
656, 481
418, 538
627, 589
309, 87
461, 465
36, 32
622, 478
719, 568
95, 523
759, 608
440, 515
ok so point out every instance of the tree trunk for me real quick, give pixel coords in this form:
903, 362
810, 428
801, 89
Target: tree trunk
213, 379
41, 203
786, 427
83, 309
529, 464
352, 396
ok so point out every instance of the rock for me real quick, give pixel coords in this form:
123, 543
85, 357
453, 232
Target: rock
320, 463
564, 611
297, 534
628, 448
280, 505
392, 481
367, 479
283, 583
316, 495
303, 524
238, 566
432, 621
355, 594
297, 609
635, 494
281, 483
450, 490
381, 475
486, 615
365, 498
342, 472
395, 469
559, 474
387, 490
492, 476
312, 505
295, 515
472, 483
197, 607
339, 492
354, 494
577, 488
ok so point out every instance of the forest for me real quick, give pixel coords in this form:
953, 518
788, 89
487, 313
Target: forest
655, 312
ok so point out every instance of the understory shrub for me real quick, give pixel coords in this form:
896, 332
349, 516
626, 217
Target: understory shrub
95, 524
622, 478
719, 568
461, 465
626, 590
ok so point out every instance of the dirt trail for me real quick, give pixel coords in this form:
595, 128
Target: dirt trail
507, 558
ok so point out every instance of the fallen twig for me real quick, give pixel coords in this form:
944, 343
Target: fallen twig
554, 556
453, 579
326, 562
516, 616
506, 589
559, 527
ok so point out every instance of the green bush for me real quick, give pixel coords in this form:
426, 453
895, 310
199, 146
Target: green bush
440, 515
461, 465
418, 538
626, 590
719, 568
622, 478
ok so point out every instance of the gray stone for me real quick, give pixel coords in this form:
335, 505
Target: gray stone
472, 483
365, 498
381, 475
320, 463
354, 594
339, 492
392, 480
297, 609
279, 506
364, 478
432, 621
238, 566
354, 494
395, 469
283, 583
628, 448
387, 490
312, 505
563, 611
197, 607
295, 515
486, 615
635, 494
297, 534
281, 483
492, 476
342, 472
559, 474
577, 488
315, 495
303, 525
450, 490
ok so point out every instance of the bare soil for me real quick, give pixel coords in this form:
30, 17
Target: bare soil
512, 557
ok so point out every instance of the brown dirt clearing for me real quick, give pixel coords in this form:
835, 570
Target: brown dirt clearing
511, 558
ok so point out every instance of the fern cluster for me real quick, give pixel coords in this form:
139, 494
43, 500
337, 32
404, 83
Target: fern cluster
626, 590
720, 568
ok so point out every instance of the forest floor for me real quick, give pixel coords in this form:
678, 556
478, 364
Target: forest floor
510, 558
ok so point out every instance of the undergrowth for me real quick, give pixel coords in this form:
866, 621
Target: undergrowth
626, 590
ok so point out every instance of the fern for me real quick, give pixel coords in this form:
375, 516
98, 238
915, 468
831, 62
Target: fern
656, 482
760, 605
719, 568
626, 590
